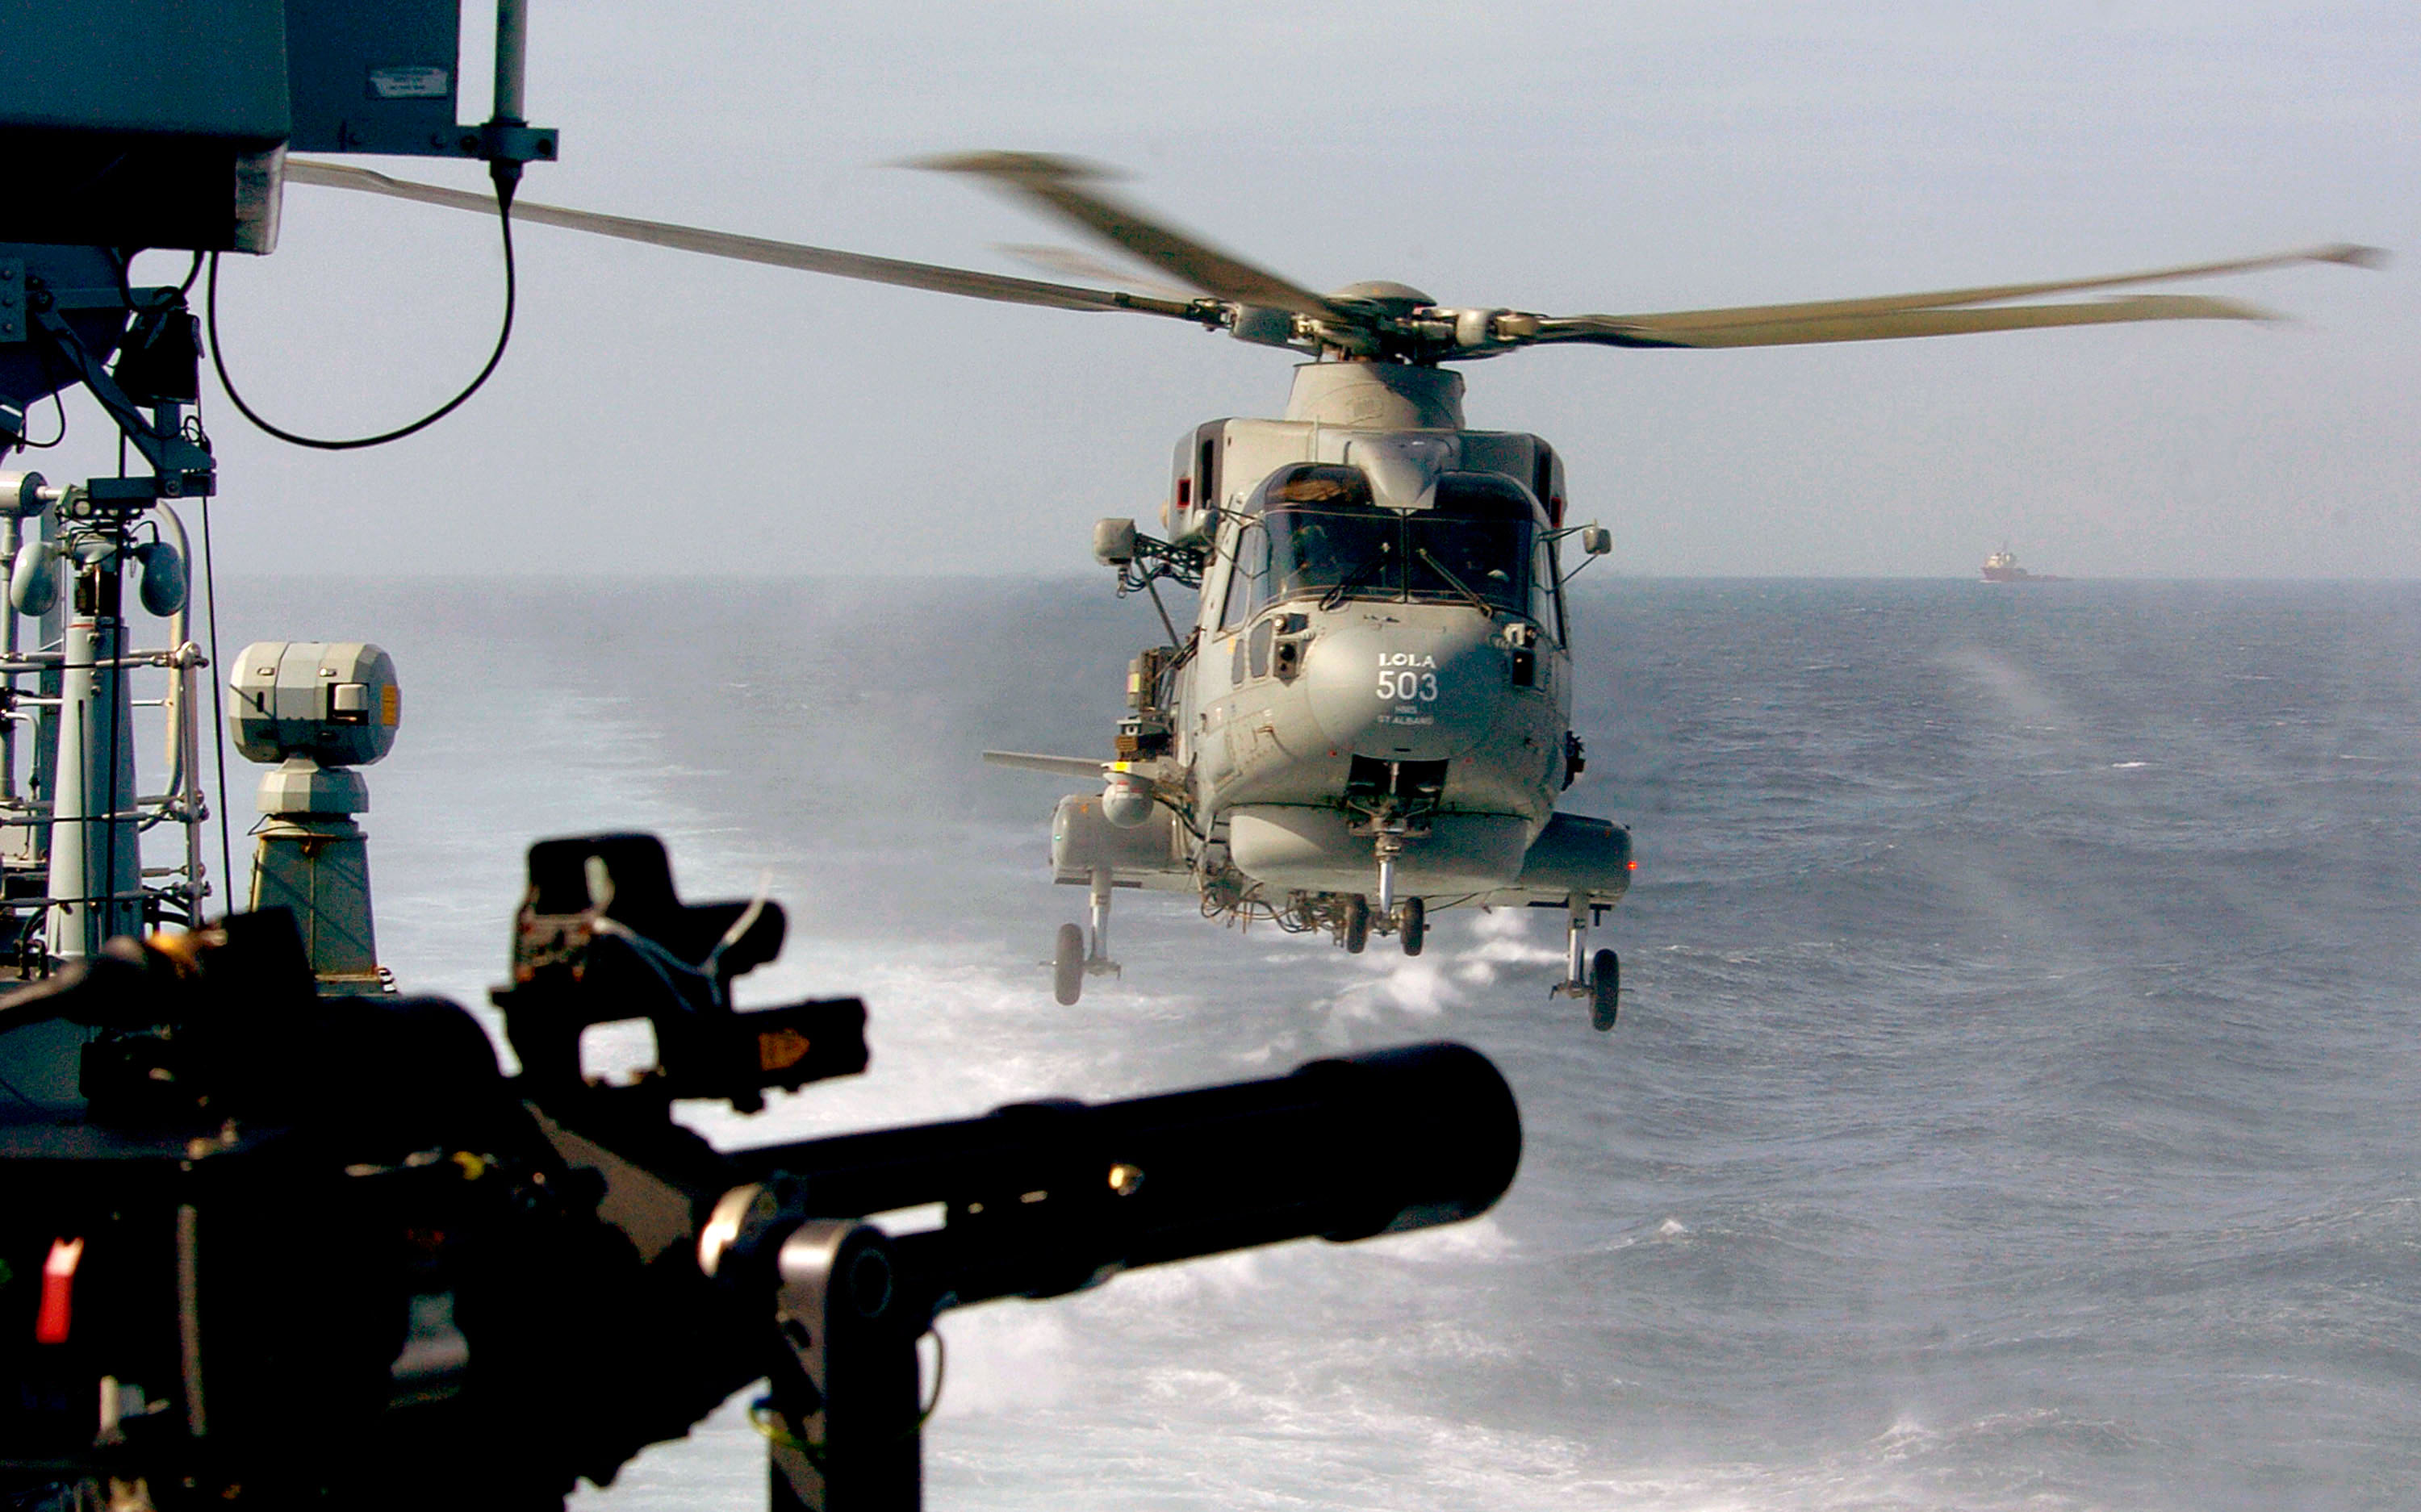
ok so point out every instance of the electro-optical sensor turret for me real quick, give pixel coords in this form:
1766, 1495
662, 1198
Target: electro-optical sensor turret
315, 710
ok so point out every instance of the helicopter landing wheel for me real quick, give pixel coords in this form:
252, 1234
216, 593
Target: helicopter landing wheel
1413, 922
1357, 924
1068, 965
1605, 990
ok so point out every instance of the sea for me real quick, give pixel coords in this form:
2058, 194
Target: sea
2013, 1106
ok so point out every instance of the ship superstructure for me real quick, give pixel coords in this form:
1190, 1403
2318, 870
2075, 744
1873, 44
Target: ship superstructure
2002, 567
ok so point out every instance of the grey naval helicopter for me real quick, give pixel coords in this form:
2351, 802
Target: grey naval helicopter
1369, 717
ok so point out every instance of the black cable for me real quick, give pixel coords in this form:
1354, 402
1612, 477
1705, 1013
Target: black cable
123, 261
114, 614
218, 361
116, 702
218, 727
58, 404
196, 433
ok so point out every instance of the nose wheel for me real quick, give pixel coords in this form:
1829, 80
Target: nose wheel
1386, 912
1071, 961
1601, 983
1354, 920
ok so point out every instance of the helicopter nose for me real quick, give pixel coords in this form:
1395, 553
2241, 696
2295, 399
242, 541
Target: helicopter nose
1415, 682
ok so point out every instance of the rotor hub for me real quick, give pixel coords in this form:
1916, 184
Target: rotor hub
1390, 298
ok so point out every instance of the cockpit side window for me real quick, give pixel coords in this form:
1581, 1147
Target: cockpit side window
1546, 591
1248, 582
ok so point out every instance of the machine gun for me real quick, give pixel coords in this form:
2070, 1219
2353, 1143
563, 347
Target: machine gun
266, 1248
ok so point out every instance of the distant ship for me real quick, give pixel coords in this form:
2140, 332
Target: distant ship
2002, 567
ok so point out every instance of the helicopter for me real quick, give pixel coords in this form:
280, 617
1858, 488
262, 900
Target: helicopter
1369, 717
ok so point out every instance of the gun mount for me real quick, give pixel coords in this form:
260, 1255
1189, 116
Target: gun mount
263, 1243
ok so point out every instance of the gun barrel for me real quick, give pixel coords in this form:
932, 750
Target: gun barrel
1043, 1198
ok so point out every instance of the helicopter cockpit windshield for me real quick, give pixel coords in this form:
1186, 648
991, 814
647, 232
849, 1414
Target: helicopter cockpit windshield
1312, 531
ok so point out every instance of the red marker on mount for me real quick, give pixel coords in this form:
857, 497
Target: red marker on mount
58, 1284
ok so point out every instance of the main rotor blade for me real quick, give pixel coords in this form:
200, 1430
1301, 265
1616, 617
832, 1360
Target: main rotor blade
1698, 323
857, 265
1070, 263
1674, 331
1055, 183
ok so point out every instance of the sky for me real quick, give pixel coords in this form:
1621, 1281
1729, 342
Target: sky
660, 412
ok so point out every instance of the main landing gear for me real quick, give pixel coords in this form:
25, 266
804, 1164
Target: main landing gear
1408, 919
1601, 984
1071, 962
